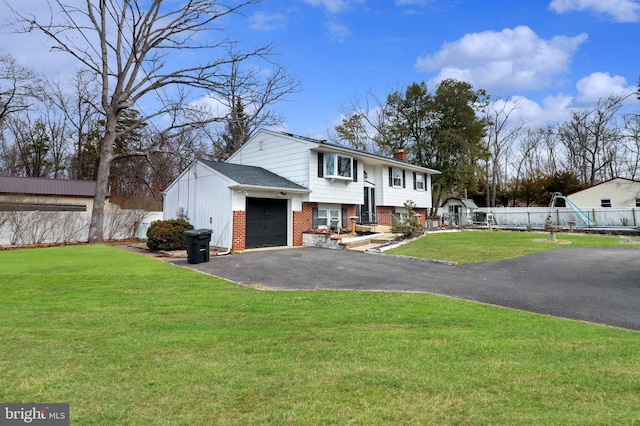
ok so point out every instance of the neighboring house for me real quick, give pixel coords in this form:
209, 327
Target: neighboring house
278, 186
458, 211
31, 194
615, 193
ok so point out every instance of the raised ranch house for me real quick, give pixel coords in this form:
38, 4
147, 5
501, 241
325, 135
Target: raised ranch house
279, 186
43, 194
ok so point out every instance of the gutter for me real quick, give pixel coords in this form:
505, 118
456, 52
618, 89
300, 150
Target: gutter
271, 188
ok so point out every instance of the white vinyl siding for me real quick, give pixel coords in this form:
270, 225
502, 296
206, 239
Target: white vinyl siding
340, 191
281, 154
387, 195
620, 192
207, 207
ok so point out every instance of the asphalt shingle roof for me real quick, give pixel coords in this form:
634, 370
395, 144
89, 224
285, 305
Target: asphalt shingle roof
252, 175
44, 186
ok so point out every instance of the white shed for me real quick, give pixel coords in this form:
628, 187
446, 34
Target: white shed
458, 211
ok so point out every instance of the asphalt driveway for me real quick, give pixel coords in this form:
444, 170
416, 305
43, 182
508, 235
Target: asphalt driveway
596, 285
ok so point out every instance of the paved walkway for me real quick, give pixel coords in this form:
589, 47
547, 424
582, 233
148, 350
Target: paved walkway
595, 285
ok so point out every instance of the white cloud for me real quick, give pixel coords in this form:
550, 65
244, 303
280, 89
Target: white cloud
268, 22
555, 109
334, 6
337, 31
619, 10
600, 85
552, 109
512, 59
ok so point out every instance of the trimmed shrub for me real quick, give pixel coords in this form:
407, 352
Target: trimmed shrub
167, 234
409, 225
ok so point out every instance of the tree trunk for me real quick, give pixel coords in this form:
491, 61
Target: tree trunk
96, 227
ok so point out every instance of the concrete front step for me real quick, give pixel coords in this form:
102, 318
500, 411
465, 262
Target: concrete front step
368, 241
384, 239
363, 247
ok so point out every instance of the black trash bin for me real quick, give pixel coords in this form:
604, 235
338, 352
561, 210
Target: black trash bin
197, 241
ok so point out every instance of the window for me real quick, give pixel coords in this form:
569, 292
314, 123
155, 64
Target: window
637, 202
605, 202
322, 218
397, 178
328, 218
418, 180
338, 166
400, 216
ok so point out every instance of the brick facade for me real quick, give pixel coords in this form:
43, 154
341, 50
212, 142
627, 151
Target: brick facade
423, 216
384, 215
239, 230
302, 221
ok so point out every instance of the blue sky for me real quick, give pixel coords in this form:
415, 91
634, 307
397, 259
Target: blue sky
547, 55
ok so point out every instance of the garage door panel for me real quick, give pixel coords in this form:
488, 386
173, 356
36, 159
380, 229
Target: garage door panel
266, 222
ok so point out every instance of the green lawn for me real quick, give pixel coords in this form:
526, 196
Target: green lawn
128, 340
482, 246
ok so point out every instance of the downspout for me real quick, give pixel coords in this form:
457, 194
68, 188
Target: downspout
231, 229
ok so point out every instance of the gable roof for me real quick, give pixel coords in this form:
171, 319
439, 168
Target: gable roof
467, 202
380, 159
603, 183
44, 186
253, 176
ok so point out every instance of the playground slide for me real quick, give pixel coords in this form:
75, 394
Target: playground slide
582, 215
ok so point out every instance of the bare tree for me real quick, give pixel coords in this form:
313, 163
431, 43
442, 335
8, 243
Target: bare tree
592, 139
502, 132
363, 124
246, 95
17, 85
78, 107
128, 44
632, 147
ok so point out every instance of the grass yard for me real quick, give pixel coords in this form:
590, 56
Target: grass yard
128, 340
482, 246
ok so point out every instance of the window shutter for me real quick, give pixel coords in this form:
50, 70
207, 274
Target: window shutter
320, 166
390, 177
314, 218
425, 182
355, 170
415, 180
404, 181
345, 218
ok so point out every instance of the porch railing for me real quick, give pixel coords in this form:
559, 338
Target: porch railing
367, 218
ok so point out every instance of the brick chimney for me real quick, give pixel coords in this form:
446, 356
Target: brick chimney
401, 155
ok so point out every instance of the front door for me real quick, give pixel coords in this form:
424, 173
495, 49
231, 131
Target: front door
368, 209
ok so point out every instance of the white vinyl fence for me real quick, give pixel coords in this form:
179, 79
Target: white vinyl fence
26, 228
534, 217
